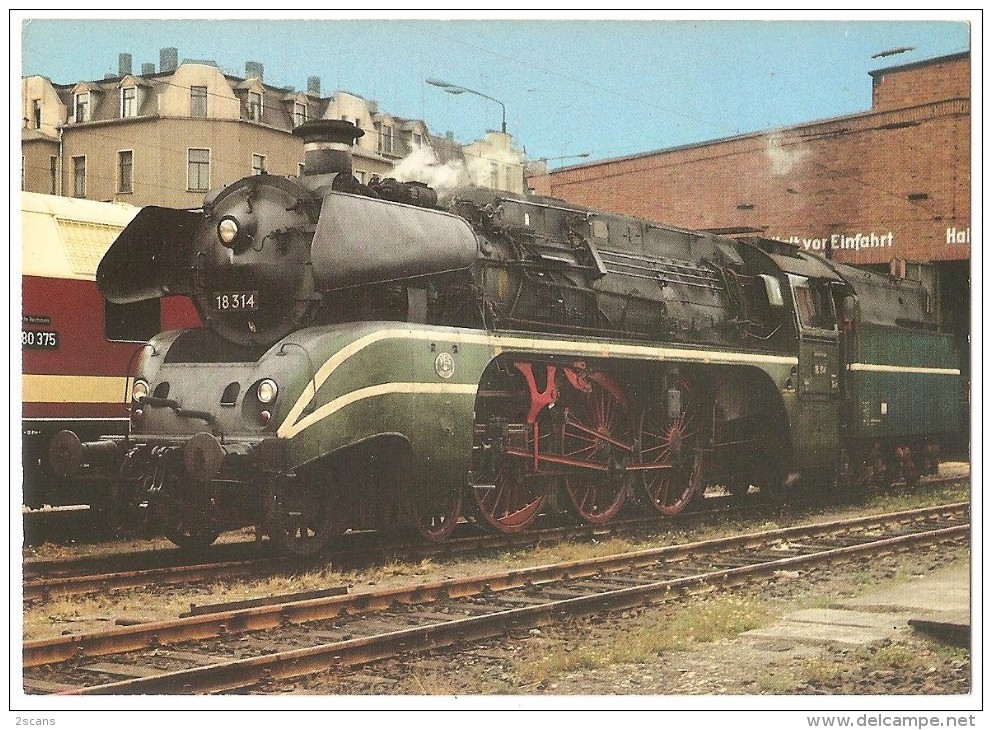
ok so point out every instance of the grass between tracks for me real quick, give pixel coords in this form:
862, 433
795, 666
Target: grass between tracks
656, 632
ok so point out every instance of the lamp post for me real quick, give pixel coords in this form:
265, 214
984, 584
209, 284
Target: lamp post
562, 157
456, 89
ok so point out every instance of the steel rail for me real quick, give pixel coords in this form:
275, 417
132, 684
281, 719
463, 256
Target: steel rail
284, 665
60, 578
131, 638
42, 587
38, 586
45, 588
166, 558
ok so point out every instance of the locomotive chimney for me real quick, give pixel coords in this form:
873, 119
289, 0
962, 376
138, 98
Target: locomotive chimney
327, 145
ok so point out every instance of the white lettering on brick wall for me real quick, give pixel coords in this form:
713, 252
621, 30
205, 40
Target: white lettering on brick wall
959, 235
845, 242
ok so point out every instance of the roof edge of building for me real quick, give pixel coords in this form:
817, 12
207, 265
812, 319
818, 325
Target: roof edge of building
737, 137
920, 64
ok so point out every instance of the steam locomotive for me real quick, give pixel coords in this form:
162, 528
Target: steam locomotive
381, 356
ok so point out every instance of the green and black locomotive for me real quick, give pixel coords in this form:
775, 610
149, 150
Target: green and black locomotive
376, 358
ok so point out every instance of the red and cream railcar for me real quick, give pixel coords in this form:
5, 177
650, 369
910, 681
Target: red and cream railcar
76, 347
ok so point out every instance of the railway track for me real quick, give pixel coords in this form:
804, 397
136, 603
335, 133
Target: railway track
233, 649
43, 580
170, 566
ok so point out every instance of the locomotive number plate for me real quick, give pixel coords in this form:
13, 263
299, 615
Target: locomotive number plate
236, 301
39, 340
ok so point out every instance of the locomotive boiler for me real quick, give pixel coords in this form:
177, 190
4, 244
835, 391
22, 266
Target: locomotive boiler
376, 357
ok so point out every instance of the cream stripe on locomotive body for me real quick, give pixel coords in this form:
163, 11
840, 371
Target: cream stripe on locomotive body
864, 367
74, 389
292, 425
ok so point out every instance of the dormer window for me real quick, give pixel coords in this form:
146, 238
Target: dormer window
81, 107
198, 101
129, 102
299, 114
418, 140
386, 139
254, 106
36, 113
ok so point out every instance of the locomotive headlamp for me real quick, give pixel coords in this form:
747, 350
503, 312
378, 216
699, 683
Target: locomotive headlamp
267, 391
227, 231
139, 391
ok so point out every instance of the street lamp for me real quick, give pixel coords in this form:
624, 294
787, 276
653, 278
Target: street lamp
562, 157
456, 89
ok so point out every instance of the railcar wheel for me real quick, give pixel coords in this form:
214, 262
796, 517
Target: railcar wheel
300, 516
187, 516
130, 515
670, 443
190, 537
511, 500
909, 468
435, 518
598, 428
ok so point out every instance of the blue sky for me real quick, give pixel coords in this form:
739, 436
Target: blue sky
570, 86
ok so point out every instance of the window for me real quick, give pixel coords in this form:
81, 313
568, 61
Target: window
418, 141
813, 303
79, 176
53, 170
360, 175
300, 169
36, 113
386, 139
125, 170
129, 102
198, 170
258, 164
299, 114
198, 101
254, 106
82, 108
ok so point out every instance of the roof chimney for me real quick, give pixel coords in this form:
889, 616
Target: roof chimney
168, 60
254, 70
327, 145
124, 64
313, 86
147, 69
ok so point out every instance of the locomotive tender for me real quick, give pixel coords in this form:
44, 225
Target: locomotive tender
374, 357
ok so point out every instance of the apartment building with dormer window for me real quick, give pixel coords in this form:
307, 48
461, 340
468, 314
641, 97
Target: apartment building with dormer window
165, 136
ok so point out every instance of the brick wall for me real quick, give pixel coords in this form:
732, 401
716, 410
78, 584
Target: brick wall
871, 187
945, 78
